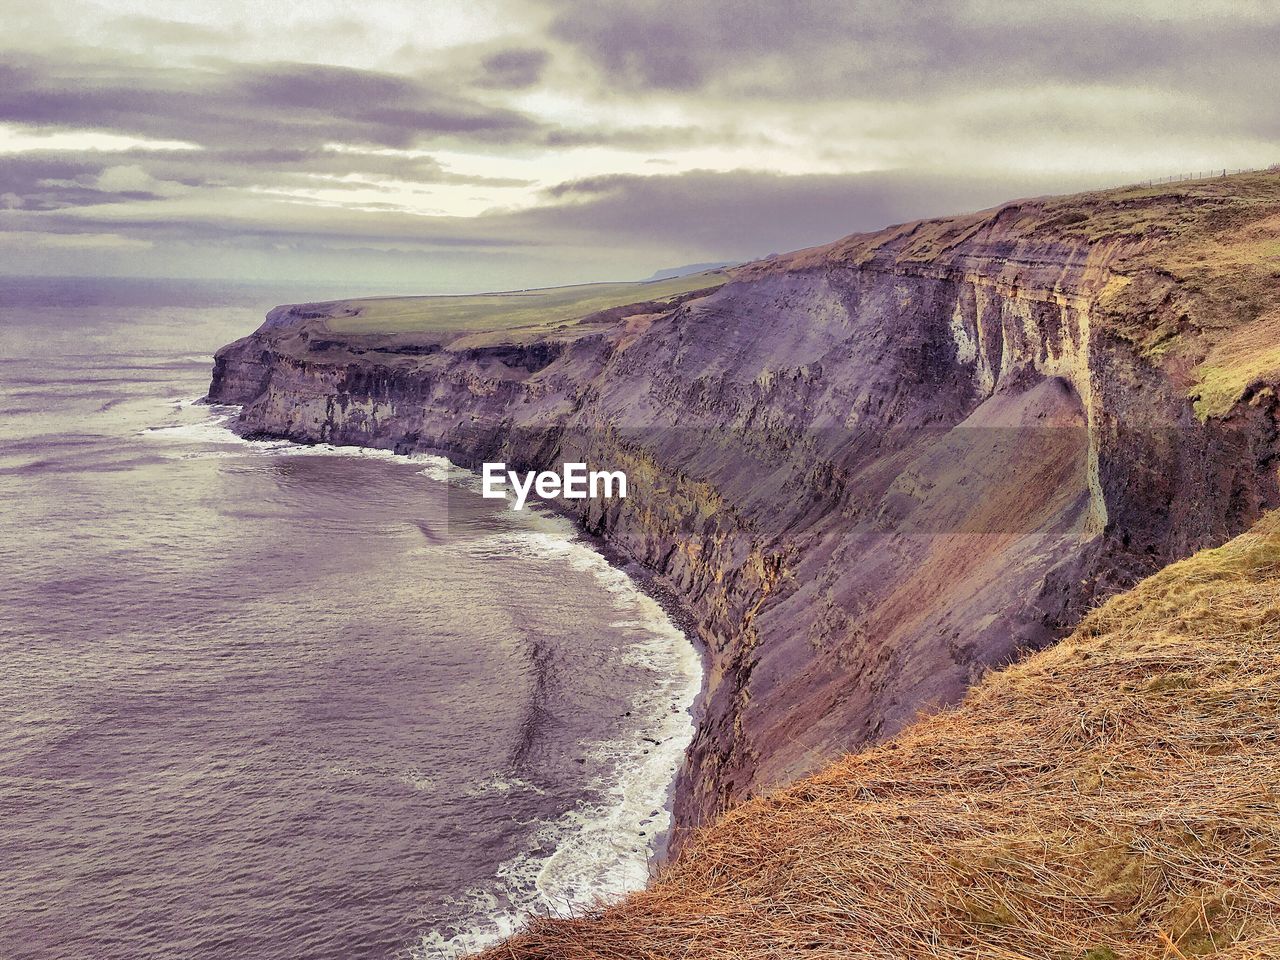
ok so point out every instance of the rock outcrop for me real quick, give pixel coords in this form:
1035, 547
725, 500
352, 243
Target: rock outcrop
871, 471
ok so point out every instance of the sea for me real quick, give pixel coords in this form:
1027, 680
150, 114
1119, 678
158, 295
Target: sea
265, 700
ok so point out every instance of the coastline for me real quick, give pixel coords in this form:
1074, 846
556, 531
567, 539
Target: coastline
644, 582
667, 844
785, 469
647, 582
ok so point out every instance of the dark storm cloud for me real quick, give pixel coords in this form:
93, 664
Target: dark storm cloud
514, 69
299, 105
887, 48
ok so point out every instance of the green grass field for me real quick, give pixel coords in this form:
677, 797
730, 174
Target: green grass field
501, 311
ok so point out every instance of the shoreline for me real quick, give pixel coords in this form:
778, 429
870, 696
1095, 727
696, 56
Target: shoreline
639, 577
646, 581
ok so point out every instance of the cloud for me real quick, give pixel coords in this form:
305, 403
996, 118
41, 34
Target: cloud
970, 101
93, 242
514, 68
886, 48
297, 105
691, 216
747, 213
225, 105
160, 32
58, 179
127, 179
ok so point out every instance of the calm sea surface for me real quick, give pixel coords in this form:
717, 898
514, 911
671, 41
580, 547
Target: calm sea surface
263, 701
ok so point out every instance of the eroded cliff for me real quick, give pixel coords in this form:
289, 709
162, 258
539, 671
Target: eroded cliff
872, 470
1111, 798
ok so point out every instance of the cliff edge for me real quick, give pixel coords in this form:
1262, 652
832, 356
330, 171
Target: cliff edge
873, 470
1112, 797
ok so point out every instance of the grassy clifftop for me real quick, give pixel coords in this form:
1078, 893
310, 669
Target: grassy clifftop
1192, 269
1187, 272
540, 308
1117, 796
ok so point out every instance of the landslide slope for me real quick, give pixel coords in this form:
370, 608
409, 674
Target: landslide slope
871, 471
1116, 796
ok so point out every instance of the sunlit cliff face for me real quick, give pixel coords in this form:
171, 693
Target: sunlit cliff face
461, 145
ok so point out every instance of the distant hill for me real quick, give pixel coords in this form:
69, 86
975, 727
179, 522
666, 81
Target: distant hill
672, 273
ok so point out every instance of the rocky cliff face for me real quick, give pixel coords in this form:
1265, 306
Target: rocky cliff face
871, 471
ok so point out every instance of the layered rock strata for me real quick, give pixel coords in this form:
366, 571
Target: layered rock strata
870, 471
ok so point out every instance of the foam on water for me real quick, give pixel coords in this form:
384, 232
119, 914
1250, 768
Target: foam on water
602, 849
214, 427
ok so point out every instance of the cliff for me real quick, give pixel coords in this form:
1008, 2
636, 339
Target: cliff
1112, 797
873, 470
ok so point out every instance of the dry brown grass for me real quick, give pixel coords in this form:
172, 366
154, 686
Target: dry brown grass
1117, 796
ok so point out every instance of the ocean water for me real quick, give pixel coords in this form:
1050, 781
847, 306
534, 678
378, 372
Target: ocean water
264, 700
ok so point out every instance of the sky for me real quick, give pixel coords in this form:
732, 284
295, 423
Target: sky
459, 145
